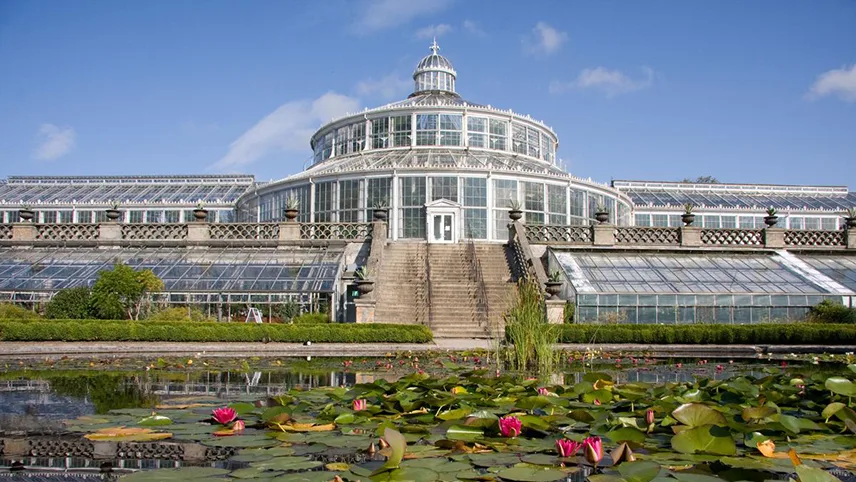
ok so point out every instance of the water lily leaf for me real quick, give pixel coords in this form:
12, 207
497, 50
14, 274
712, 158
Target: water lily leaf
288, 463
709, 439
602, 396
397, 445
832, 409
626, 434
541, 459
494, 459
241, 441
122, 434
841, 386
697, 414
456, 414
411, 474
690, 477
767, 448
531, 474
531, 421
464, 432
306, 427
345, 419
811, 474
482, 419
155, 420
184, 474
581, 416
757, 413
242, 407
642, 471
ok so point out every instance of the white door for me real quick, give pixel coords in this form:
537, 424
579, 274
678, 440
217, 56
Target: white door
442, 229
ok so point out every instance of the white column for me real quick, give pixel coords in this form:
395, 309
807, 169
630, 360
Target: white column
394, 215
311, 201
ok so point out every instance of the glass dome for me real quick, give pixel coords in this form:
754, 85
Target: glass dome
434, 73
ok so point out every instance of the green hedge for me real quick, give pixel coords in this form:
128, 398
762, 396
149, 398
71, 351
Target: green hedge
85, 330
760, 334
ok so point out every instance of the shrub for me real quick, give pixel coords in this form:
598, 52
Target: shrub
211, 332
123, 292
71, 303
762, 334
286, 311
311, 318
178, 314
9, 311
828, 312
568, 312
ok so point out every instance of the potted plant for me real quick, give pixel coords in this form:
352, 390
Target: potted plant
688, 217
381, 210
292, 204
601, 215
514, 211
851, 217
771, 219
200, 213
113, 212
554, 283
364, 284
26, 212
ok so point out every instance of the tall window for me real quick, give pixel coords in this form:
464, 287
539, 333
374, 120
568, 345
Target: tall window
444, 188
401, 130
358, 137
477, 132
412, 212
533, 202
548, 149
325, 202
379, 191
350, 197
557, 197
426, 129
498, 133
475, 203
504, 191
380, 133
450, 129
518, 138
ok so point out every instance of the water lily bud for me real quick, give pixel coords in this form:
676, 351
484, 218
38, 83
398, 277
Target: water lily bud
593, 449
649, 417
372, 449
510, 426
383, 443
238, 426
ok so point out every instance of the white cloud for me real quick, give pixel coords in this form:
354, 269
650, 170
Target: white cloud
433, 31
286, 129
390, 87
54, 142
840, 82
473, 28
544, 40
378, 15
611, 82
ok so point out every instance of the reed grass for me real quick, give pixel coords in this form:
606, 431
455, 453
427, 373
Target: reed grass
530, 338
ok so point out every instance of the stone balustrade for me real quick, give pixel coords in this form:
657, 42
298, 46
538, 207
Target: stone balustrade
688, 236
110, 233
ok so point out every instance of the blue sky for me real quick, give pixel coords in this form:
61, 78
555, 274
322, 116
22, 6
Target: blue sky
760, 91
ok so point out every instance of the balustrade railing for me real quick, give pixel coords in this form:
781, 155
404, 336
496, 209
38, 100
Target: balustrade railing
5, 231
55, 232
337, 231
154, 231
732, 237
647, 235
240, 231
558, 234
814, 238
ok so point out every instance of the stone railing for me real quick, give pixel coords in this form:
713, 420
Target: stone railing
647, 235
198, 233
339, 231
528, 264
67, 231
243, 231
689, 236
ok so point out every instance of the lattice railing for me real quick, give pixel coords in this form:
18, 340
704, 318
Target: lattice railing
345, 231
5, 231
53, 232
558, 234
154, 231
243, 231
647, 235
810, 237
732, 237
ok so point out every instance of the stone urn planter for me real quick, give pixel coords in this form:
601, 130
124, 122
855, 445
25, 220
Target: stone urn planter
601, 216
687, 219
200, 214
291, 214
26, 214
381, 214
771, 221
515, 214
553, 288
113, 214
850, 222
364, 286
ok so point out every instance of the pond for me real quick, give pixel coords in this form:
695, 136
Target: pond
445, 417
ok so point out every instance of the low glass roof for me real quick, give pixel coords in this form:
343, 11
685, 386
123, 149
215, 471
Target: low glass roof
836, 267
829, 202
211, 270
681, 273
188, 190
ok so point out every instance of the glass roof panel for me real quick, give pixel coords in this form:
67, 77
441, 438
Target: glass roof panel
839, 268
688, 273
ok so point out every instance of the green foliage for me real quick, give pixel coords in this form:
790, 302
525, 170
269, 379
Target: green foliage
286, 311
99, 330
767, 333
828, 312
311, 318
179, 314
71, 303
11, 311
527, 330
568, 312
123, 292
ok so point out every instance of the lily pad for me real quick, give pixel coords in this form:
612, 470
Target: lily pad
641, 471
841, 386
697, 414
531, 474
709, 439
184, 474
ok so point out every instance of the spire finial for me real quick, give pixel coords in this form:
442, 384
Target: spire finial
434, 47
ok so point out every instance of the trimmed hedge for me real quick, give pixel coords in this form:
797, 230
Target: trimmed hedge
760, 334
218, 332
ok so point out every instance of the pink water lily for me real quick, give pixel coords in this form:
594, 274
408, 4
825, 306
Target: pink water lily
593, 449
567, 448
238, 425
649, 416
510, 426
224, 415
543, 391
360, 404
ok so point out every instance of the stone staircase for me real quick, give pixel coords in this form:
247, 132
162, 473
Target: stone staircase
401, 289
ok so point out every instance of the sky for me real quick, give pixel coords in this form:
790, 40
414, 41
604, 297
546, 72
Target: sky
755, 92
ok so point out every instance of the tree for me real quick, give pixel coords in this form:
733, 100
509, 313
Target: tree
71, 303
701, 180
123, 291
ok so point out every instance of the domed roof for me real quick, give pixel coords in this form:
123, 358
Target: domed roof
434, 73
434, 61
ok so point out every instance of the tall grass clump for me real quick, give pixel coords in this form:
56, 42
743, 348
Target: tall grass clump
527, 331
